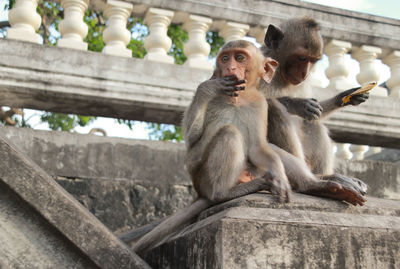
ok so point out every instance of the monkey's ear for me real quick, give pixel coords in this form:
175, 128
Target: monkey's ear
273, 37
270, 66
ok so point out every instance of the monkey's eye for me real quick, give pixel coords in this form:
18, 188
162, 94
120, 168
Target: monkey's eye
302, 58
240, 57
224, 58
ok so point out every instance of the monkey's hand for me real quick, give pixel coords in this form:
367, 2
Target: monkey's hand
307, 108
355, 100
226, 85
337, 191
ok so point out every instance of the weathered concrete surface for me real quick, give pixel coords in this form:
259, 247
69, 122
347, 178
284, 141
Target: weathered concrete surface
127, 183
386, 155
383, 178
257, 232
28, 241
88, 83
40, 221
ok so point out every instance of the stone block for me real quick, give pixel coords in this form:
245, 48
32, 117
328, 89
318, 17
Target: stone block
258, 232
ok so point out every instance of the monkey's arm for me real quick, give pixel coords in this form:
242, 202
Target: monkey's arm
193, 120
336, 102
193, 124
310, 109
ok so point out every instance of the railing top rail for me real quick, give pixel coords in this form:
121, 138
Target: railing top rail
355, 27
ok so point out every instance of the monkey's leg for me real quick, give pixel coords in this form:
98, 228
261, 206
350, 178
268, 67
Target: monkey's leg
225, 160
317, 147
283, 130
303, 181
265, 159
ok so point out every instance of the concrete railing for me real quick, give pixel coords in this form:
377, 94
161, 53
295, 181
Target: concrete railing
365, 38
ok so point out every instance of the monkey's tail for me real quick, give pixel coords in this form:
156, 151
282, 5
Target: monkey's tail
135, 234
170, 225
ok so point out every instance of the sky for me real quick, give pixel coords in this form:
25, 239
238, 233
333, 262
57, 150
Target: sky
386, 8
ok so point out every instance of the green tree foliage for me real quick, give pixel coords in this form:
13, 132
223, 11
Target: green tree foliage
52, 14
178, 37
216, 42
165, 132
96, 25
64, 122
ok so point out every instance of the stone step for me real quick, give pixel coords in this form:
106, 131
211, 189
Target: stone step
42, 226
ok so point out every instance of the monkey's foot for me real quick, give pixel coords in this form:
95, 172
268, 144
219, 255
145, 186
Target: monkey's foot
337, 191
278, 185
349, 182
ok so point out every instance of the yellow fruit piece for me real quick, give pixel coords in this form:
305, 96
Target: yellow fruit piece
362, 90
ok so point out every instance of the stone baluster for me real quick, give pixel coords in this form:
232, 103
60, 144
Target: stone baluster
372, 151
258, 33
393, 61
233, 31
116, 36
342, 151
158, 43
358, 151
337, 71
25, 21
197, 49
72, 27
366, 56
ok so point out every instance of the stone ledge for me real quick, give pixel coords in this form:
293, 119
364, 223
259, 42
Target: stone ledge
287, 236
88, 83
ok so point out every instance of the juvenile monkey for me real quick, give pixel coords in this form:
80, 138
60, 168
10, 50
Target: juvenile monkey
225, 129
297, 48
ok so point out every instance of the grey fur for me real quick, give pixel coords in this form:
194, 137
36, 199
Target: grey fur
223, 139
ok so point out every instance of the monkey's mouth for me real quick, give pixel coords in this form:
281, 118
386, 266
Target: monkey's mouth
231, 75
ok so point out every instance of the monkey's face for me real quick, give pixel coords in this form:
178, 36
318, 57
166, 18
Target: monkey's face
298, 65
236, 62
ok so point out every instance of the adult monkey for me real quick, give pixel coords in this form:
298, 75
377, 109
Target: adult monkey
225, 128
297, 48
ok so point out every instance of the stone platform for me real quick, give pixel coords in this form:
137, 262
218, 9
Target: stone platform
309, 232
